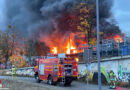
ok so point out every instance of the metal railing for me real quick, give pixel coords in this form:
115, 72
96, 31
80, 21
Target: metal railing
108, 49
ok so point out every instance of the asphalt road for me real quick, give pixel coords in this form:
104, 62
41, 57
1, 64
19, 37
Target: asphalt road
75, 84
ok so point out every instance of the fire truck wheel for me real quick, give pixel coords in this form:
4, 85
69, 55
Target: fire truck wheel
50, 80
37, 78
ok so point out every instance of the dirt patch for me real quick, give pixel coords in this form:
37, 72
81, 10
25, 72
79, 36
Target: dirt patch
19, 85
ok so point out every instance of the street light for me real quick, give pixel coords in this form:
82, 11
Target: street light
98, 46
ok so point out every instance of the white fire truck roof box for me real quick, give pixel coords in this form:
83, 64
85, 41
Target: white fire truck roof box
61, 55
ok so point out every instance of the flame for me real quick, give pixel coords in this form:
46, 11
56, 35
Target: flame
70, 47
54, 50
118, 38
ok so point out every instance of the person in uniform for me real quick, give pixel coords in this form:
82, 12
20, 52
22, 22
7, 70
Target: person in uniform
13, 71
112, 80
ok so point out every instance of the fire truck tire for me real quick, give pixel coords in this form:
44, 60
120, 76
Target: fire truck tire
37, 78
50, 80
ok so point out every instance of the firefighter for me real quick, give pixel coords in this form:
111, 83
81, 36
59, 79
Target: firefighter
112, 80
13, 72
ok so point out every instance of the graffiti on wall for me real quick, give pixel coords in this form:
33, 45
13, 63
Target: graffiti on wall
121, 68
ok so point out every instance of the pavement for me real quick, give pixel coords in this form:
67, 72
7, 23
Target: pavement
76, 85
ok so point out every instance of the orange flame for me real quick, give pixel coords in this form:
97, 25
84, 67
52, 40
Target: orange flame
118, 38
70, 47
54, 50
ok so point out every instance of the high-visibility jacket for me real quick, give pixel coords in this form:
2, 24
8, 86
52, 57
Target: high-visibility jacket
112, 76
13, 70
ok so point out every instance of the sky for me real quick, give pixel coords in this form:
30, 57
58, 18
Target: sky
120, 10
2, 16
121, 13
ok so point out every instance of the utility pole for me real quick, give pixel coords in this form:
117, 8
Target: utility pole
98, 46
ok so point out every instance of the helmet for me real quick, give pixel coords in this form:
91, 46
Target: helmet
111, 71
13, 66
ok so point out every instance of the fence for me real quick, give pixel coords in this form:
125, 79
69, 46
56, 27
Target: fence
108, 48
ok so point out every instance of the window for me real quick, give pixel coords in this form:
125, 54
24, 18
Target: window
41, 69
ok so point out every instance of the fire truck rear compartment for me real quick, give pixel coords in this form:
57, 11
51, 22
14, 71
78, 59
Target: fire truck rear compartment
68, 73
68, 69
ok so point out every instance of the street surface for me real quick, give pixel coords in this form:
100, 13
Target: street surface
75, 85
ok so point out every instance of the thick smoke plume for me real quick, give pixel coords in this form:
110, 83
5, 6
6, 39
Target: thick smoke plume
38, 19
31, 16
47, 20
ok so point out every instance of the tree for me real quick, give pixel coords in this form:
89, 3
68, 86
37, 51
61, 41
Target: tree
30, 50
6, 46
18, 61
87, 20
9, 43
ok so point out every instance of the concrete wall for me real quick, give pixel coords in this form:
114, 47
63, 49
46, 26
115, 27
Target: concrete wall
112, 64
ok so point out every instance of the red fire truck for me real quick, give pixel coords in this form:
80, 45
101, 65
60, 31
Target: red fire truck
54, 69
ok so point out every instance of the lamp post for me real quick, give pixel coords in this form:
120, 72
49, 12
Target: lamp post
98, 46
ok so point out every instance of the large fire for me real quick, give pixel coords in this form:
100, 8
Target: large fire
71, 46
118, 38
68, 48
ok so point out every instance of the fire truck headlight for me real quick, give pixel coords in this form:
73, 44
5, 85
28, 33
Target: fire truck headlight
77, 60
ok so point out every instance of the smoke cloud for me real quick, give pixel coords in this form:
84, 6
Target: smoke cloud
34, 16
42, 19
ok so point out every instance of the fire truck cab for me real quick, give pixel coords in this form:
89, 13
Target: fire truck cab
54, 70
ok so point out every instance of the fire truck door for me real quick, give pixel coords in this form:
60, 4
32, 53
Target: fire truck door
41, 69
55, 72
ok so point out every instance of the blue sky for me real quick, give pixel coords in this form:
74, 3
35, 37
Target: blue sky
121, 13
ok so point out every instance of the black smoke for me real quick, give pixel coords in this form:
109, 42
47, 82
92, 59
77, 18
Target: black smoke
42, 18
34, 16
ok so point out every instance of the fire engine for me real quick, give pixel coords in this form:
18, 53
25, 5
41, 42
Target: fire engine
55, 69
